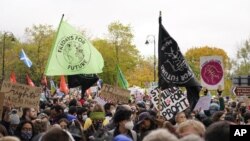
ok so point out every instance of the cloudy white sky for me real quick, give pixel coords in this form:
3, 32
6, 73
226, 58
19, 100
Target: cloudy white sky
219, 23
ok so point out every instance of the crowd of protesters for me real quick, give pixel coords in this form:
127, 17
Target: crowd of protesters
75, 118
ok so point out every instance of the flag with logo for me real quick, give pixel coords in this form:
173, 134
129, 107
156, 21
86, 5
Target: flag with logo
25, 59
122, 82
29, 81
173, 70
13, 77
72, 53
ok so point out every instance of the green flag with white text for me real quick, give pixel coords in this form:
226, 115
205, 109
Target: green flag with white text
122, 82
73, 54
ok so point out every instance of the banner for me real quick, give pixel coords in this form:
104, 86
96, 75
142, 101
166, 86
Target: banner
73, 54
114, 94
169, 102
212, 75
21, 95
203, 103
173, 69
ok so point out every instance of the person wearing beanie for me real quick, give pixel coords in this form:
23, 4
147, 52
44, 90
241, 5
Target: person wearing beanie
14, 121
123, 123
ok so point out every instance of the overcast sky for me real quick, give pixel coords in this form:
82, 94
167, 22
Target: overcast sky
192, 23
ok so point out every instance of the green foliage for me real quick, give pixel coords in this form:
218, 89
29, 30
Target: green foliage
242, 63
117, 48
37, 47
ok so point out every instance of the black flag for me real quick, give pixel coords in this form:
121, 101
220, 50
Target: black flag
173, 70
85, 81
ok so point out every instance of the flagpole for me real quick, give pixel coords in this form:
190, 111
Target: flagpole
159, 90
54, 42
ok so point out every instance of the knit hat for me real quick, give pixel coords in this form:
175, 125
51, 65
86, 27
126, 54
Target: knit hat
122, 138
14, 119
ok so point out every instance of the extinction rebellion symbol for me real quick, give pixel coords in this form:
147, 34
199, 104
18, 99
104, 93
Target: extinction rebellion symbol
212, 72
73, 52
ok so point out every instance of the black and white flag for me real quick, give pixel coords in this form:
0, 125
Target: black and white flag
173, 70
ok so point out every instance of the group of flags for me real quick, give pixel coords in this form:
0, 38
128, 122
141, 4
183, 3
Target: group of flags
80, 61
28, 79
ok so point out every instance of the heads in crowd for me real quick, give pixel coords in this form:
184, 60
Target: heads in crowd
70, 121
180, 117
160, 135
191, 127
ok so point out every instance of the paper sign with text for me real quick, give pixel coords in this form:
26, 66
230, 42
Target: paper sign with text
114, 94
172, 101
21, 95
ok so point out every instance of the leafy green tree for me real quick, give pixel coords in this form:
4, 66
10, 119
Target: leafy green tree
241, 65
117, 48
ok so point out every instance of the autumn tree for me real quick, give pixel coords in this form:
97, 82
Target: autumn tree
193, 55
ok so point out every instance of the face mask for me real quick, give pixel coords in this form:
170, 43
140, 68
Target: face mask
84, 117
26, 135
129, 125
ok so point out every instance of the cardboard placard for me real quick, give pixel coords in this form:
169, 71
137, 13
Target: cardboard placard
114, 94
21, 95
172, 101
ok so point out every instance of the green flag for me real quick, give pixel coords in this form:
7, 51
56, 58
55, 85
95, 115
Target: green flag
72, 54
122, 82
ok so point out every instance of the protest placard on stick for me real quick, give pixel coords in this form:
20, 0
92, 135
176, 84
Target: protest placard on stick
172, 101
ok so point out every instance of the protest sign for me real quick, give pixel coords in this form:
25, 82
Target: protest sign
114, 94
21, 95
211, 68
203, 103
169, 102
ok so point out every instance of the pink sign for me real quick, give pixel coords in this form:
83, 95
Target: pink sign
212, 72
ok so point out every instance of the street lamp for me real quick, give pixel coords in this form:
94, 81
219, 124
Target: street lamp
151, 39
5, 35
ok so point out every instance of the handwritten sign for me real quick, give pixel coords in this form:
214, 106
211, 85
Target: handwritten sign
21, 95
114, 94
172, 101
203, 103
